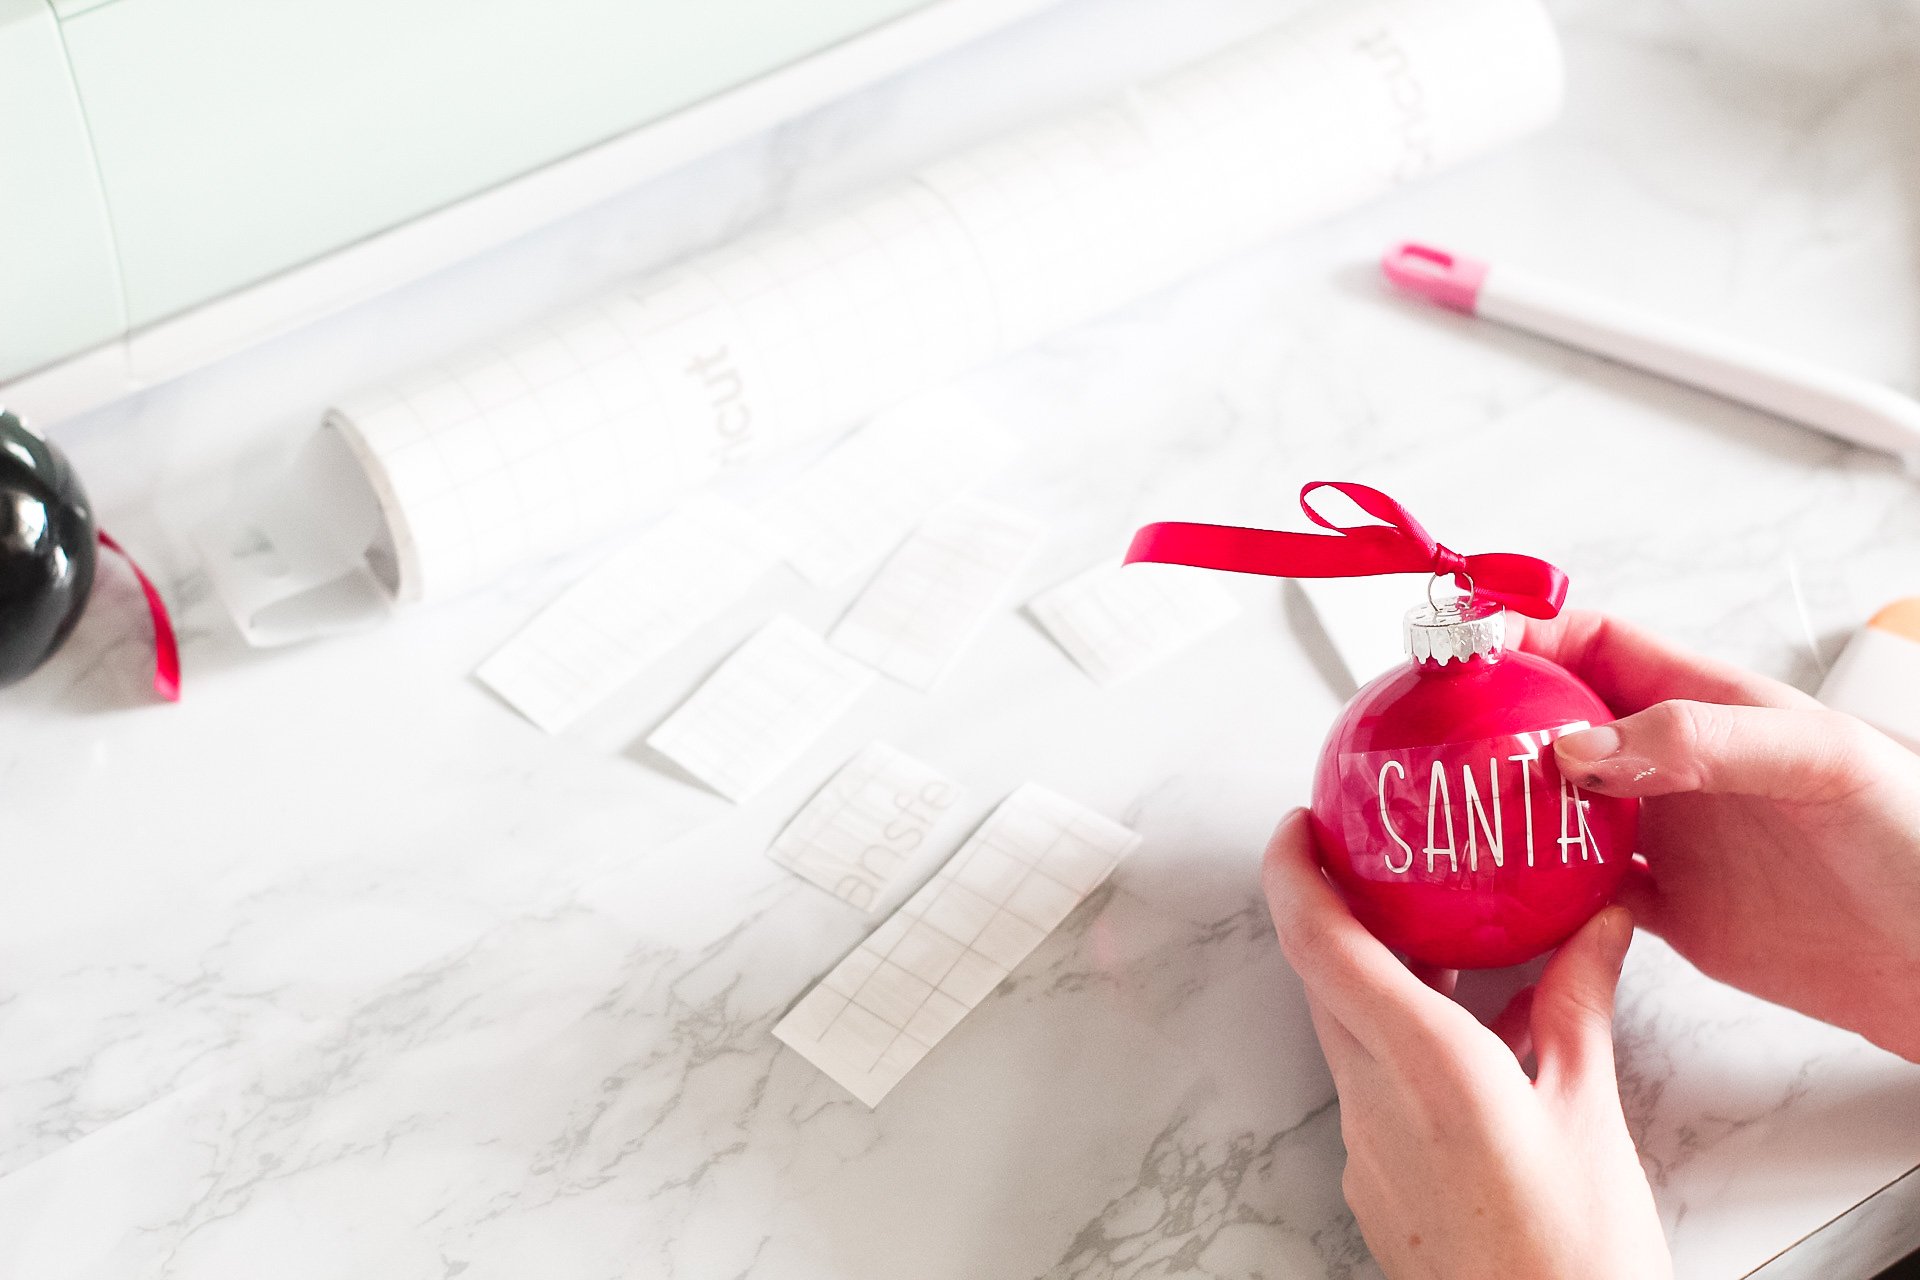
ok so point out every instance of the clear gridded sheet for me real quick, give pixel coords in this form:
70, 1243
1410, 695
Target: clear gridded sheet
760, 710
1117, 620
628, 612
861, 830
936, 592
886, 1005
851, 507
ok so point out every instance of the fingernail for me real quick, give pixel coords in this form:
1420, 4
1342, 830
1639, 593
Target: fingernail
1590, 746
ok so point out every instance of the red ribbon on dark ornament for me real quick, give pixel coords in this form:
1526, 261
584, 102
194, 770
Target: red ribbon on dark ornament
1400, 545
166, 649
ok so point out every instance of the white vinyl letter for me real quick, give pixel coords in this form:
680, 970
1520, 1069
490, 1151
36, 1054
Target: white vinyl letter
1526, 789
1572, 832
1387, 823
1438, 793
1496, 838
1586, 831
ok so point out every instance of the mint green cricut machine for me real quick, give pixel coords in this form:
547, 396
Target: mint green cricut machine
179, 178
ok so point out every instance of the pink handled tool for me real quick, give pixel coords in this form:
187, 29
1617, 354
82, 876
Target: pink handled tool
1852, 408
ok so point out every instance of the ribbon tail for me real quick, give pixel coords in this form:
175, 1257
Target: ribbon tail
1521, 583
166, 647
1278, 553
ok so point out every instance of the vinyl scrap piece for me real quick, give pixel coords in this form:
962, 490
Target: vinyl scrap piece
757, 714
861, 830
853, 506
627, 613
886, 1005
937, 591
1117, 620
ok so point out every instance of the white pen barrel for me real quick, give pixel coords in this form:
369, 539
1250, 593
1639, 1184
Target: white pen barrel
1851, 408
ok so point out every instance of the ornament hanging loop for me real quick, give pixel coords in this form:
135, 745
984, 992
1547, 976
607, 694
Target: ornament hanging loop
1454, 603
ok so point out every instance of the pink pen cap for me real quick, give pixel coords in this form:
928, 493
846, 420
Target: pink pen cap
1449, 279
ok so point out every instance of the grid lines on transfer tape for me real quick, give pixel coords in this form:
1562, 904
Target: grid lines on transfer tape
886, 1005
505, 453
627, 612
583, 421
937, 590
1117, 620
854, 504
1058, 217
761, 708
855, 836
1076, 217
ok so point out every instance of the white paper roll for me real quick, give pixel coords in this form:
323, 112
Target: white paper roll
592, 418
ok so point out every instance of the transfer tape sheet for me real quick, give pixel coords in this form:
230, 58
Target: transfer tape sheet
854, 505
628, 612
865, 826
760, 710
1117, 620
886, 1005
936, 592
554, 435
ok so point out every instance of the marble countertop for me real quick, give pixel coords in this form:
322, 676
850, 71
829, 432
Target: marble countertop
341, 968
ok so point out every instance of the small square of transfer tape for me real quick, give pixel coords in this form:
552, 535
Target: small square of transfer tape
852, 507
627, 612
861, 829
761, 709
937, 590
897, 995
1117, 620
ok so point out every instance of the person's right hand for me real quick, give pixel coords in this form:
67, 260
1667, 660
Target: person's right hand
1781, 840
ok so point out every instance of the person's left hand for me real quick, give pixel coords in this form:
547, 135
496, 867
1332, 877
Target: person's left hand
1458, 1164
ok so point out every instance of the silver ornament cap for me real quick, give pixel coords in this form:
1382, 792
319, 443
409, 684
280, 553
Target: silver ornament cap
1455, 630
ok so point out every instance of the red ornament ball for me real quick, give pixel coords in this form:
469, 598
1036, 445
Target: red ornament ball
1439, 810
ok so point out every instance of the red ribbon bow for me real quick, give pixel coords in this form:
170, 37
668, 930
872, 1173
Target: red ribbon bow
1522, 583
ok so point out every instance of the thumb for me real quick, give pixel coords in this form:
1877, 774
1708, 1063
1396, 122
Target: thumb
1679, 746
1573, 1003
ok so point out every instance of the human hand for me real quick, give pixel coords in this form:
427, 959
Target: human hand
1781, 840
1458, 1164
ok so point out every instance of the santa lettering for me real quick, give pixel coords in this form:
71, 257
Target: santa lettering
1459, 800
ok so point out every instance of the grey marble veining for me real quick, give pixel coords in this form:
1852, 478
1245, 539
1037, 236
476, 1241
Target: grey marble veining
340, 968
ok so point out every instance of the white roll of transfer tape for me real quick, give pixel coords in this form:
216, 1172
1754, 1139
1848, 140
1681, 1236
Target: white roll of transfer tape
552, 436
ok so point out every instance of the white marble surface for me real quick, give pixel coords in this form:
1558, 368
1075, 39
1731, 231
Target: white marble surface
340, 968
